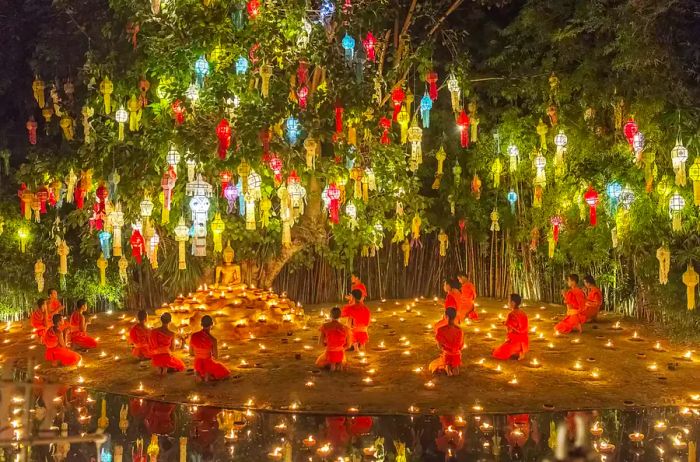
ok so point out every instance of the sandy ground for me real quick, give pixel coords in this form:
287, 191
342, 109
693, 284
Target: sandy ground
281, 374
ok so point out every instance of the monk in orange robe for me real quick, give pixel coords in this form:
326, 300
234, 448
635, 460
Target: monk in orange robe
452, 300
517, 340
57, 350
450, 339
575, 301
336, 337
161, 343
359, 317
78, 328
356, 284
594, 299
468, 296
40, 319
138, 337
204, 348
54, 304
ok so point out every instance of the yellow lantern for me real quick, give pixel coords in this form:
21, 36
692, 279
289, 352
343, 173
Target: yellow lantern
39, 270
134, 107
415, 136
217, 228
694, 174
182, 235
444, 243
106, 88
123, 266
153, 449
542, 130
496, 170
102, 265
250, 211
265, 74
406, 248
66, 124
310, 144
415, 227
690, 279
38, 88
676, 204
23, 235
121, 117
62, 250
403, 118
441, 155
103, 420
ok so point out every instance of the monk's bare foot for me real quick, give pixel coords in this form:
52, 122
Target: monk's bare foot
162, 371
455, 371
521, 356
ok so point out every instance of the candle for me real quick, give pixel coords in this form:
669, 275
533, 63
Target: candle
371, 371
460, 422
309, 384
695, 397
381, 346
418, 370
688, 356
276, 454
550, 346
477, 408
658, 347
609, 344
596, 429
309, 442
281, 427
660, 426
369, 451
513, 381
368, 381
413, 409
535, 363
678, 443
595, 374
617, 326
324, 450
577, 366
430, 385
636, 437
140, 387
653, 367
606, 448
486, 427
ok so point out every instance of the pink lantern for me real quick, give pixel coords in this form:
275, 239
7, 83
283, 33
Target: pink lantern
591, 198
303, 94
556, 224
369, 42
275, 164
231, 195
178, 112
333, 199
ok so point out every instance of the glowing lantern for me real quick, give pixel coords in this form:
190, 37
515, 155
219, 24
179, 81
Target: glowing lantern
556, 222
463, 125
241, 65
231, 195
415, 136
691, 280
254, 184
332, 198
265, 75
630, 129
106, 88
192, 93
560, 141
431, 78
116, 217
173, 157
102, 266
38, 88
137, 243
626, 198
325, 11
455, 92
338, 117
39, 270
23, 235
191, 167
121, 117
31, 130
694, 174
167, 183
178, 112
223, 132
253, 8
275, 164
426, 104
676, 204
679, 156
385, 125
201, 70
62, 250
369, 45
105, 238
613, 190
540, 165
638, 143
513, 157
403, 119
153, 250
293, 129
146, 207
217, 228
199, 206
512, 199
591, 198
348, 44
351, 212
182, 235
397, 97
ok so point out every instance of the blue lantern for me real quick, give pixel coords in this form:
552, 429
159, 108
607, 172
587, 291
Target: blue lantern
241, 65
349, 45
237, 16
241, 198
293, 129
426, 104
106, 455
201, 70
325, 11
614, 189
105, 243
512, 199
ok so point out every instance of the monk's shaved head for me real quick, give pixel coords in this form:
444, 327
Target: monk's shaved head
335, 313
165, 318
207, 321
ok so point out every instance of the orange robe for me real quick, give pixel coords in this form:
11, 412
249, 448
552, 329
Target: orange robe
452, 300
161, 356
361, 287
336, 336
517, 340
451, 341
575, 301
138, 337
360, 317
39, 322
54, 307
594, 300
469, 296
55, 352
204, 363
79, 337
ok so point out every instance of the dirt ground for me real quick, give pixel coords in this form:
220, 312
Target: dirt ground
280, 372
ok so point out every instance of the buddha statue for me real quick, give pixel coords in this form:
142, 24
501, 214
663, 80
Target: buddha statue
228, 272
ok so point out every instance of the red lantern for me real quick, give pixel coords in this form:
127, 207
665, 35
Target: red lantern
275, 164
178, 112
385, 125
338, 117
302, 94
432, 79
591, 198
397, 96
333, 198
43, 195
369, 42
630, 129
225, 177
79, 196
31, 130
303, 72
137, 245
463, 124
556, 224
253, 7
223, 132
102, 193
293, 178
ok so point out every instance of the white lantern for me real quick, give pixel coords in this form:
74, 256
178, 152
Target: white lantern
638, 142
192, 93
540, 164
626, 198
173, 157
198, 187
146, 207
679, 156
513, 156
676, 204
116, 217
254, 183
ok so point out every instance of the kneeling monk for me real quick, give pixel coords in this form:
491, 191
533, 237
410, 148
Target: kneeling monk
468, 291
78, 328
40, 319
160, 342
594, 299
356, 283
57, 350
517, 340
138, 337
359, 316
450, 339
203, 347
575, 301
337, 338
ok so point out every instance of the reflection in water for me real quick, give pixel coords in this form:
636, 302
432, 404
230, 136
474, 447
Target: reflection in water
144, 430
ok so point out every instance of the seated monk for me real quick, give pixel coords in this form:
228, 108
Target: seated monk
54, 304
138, 337
468, 296
57, 350
450, 339
203, 347
161, 344
575, 301
452, 300
356, 284
337, 338
359, 317
78, 328
594, 299
40, 319
517, 340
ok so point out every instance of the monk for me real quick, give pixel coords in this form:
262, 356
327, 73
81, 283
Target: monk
359, 317
356, 284
517, 341
575, 301
54, 304
594, 299
336, 337
78, 328
139, 335
450, 339
204, 348
452, 300
161, 345
57, 350
468, 296
40, 319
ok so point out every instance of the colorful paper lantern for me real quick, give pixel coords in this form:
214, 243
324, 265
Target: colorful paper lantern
512, 199
201, 70
426, 104
676, 204
325, 12
332, 197
241, 65
455, 92
629, 130
397, 97
102, 266
679, 156
293, 130
138, 246
182, 235
369, 43
513, 157
385, 125
694, 174
121, 117
223, 133
431, 78
463, 125
348, 44
192, 93
415, 136
116, 218
253, 8
591, 198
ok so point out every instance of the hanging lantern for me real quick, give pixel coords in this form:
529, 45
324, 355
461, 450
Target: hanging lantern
556, 222
444, 243
178, 112
62, 250
626, 198
369, 43
385, 125
116, 218
495, 216
463, 125
338, 116
201, 70
403, 119
137, 243
694, 174
241, 65
191, 167
348, 44
254, 184
105, 243
192, 93
39, 270
31, 130
512, 199
231, 195
630, 129
540, 174
121, 117
253, 8
223, 132
613, 190
310, 145
22, 235
275, 164
153, 250
303, 94
293, 129
431, 78
496, 170
591, 198
167, 183
542, 131
455, 92
397, 97
325, 12
426, 104
332, 198
679, 156
676, 204
102, 266
560, 141
134, 107
513, 157
351, 212
106, 88
217, 229
691, 280
199, 206
38, 89
173, 157
146, 207
415, 136
638, 144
